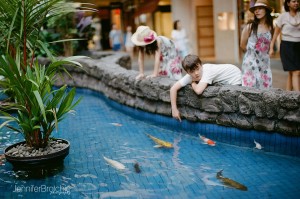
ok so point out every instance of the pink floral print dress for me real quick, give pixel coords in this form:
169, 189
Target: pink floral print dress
256, 71
170, 61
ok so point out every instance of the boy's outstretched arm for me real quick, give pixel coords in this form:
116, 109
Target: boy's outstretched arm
199, 88
173, 95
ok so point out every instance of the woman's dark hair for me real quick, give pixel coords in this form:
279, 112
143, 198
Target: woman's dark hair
190, 63
175, 25
269, 21
150, 48
286, 7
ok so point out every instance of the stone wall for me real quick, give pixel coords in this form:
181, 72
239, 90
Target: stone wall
271, 110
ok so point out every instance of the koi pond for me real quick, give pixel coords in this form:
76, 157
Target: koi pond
112, 155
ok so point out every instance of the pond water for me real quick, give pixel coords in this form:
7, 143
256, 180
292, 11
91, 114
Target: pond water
188, 170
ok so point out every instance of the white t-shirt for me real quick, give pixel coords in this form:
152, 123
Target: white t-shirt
217, 73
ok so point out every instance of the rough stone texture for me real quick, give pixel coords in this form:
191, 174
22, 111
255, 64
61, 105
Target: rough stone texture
271, 110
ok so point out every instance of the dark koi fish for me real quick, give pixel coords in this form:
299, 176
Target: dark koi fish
231, 183
137, 168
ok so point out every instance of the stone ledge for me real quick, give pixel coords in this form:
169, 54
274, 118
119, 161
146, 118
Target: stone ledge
271, 110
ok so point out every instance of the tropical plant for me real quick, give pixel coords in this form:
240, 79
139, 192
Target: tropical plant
37, 106
72, 30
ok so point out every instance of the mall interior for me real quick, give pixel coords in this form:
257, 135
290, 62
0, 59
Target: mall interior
213, 26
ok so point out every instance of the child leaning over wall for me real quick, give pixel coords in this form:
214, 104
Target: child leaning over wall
200, 76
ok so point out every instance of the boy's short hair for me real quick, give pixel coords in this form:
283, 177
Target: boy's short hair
190, 62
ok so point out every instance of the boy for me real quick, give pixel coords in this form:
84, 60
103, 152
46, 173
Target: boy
115, 38
200, 76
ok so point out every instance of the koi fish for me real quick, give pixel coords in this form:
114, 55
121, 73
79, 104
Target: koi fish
230, 183
207, 141
114, 163
116, 124
160, 143
137, 167
2, 159
257, 145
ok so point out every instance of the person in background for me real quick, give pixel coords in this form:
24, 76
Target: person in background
128, 43
180, 39
166, 59
97, 35
115, 38
288, 23
200, 76
255, 42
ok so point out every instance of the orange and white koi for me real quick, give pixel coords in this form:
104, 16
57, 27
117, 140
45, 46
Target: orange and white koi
207, 141
116, 124
160, 143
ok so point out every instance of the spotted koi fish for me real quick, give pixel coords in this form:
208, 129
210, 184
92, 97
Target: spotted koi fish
160, 143
230, 183
207, 141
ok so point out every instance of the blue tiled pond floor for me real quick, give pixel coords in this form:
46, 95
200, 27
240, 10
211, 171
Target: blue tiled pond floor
186, 171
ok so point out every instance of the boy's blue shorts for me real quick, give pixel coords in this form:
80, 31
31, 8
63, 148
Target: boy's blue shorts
116, 47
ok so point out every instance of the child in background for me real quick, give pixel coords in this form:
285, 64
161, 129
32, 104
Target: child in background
115, 38
166, 58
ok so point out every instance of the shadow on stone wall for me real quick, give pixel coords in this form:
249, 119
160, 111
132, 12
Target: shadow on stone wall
271, 110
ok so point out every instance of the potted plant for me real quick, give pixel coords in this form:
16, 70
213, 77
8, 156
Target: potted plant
34, 107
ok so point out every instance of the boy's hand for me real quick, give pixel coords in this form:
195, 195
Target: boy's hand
176, 114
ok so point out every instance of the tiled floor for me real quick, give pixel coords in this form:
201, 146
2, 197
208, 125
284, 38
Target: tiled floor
186, 171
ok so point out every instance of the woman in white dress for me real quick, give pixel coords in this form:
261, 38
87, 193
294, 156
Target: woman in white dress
128, 43
179, 37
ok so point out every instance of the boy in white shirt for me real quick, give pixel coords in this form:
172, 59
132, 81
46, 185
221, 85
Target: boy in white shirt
200, 76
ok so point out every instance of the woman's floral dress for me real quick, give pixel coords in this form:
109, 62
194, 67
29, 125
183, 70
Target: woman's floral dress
256, 71
170, 61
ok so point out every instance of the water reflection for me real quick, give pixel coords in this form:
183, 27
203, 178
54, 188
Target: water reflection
37, 172
187, 171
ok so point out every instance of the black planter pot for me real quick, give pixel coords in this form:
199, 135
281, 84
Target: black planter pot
47, 161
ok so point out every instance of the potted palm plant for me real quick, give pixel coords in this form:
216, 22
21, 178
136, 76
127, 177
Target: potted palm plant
33, 108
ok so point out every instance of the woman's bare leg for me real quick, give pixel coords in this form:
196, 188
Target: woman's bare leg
289, 82
296, 80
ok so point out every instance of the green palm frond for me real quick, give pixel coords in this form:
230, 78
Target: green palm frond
21, 22
37, 108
